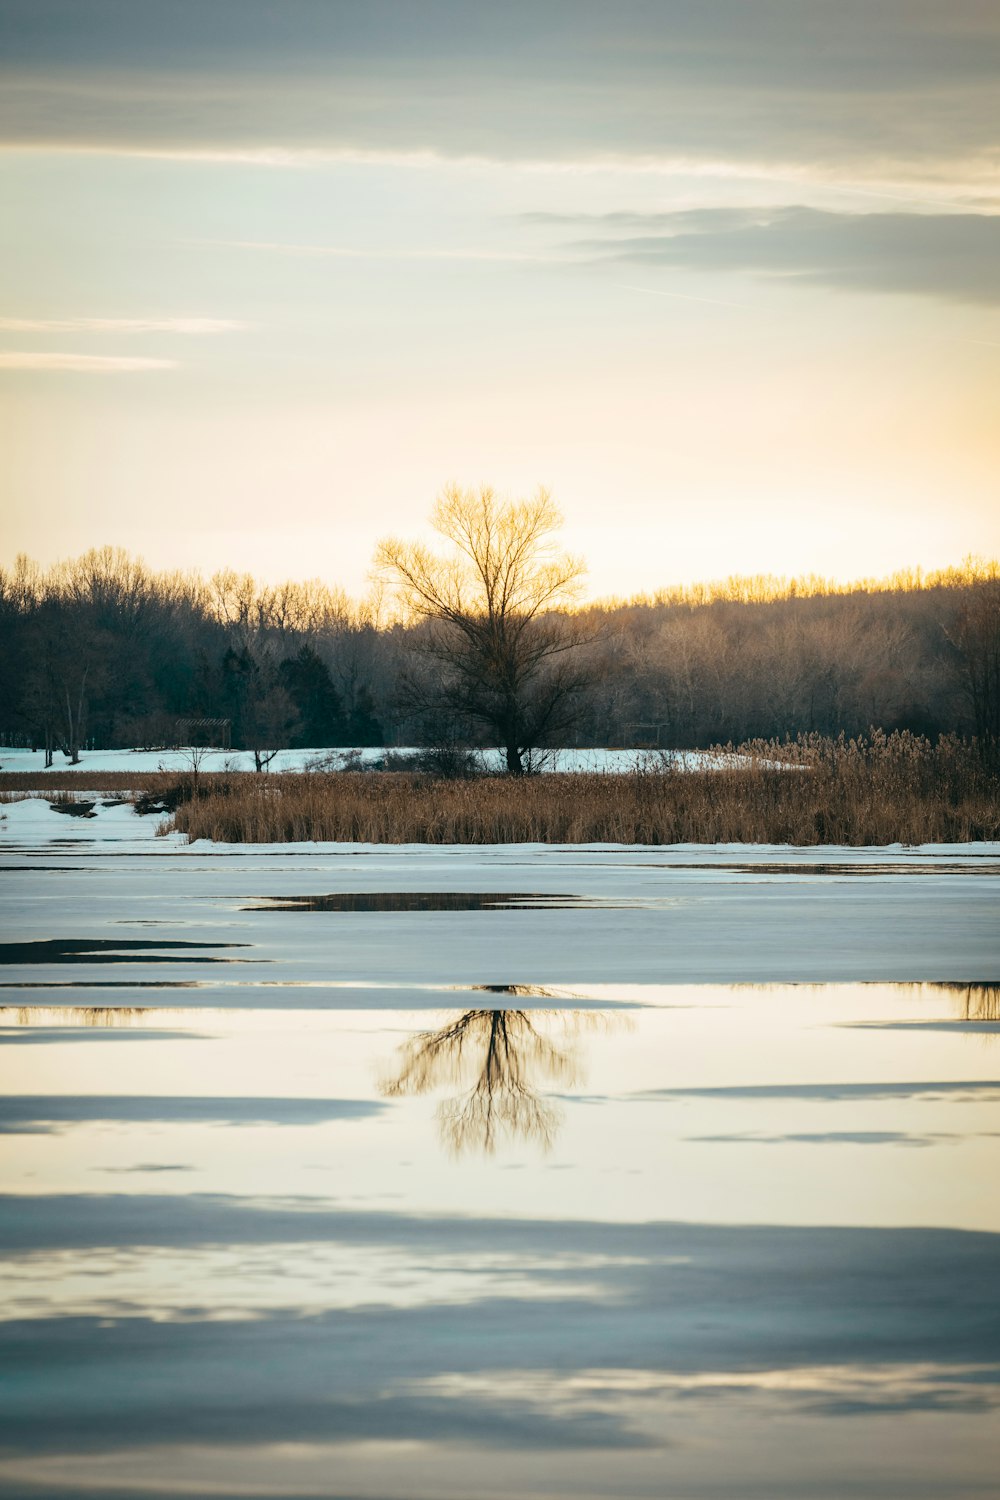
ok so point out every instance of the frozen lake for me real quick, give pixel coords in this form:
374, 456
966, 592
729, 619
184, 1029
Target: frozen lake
355, 1172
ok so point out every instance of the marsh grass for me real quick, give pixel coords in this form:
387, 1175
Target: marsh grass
897, 788
887, 789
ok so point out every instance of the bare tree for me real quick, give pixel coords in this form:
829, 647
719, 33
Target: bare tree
505, 653
62, 651
976, 634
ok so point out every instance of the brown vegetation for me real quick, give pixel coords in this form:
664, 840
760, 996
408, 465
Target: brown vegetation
889, 789
82, 780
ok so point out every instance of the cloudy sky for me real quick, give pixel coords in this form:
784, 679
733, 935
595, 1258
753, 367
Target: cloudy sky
723, 274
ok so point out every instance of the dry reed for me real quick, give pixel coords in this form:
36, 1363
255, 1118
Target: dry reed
888, 789
896, 788
82, 780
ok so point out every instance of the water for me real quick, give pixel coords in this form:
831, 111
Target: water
431, 1203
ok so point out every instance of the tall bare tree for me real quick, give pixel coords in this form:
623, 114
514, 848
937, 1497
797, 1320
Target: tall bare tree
505, 653
976, 634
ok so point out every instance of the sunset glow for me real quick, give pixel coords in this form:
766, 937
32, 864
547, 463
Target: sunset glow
729, 292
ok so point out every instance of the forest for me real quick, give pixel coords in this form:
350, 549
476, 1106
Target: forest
103, 652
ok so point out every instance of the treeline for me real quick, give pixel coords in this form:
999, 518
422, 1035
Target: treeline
104, 651
735, 669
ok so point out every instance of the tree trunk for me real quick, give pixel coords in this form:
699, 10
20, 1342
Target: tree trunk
515, 765
74, 722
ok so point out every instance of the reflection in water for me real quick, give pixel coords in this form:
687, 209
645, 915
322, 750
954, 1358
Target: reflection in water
62, 1016
366, 901
114, 951
977, 1002
506, 1053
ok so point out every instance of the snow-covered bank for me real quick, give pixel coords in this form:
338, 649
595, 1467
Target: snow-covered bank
18, 759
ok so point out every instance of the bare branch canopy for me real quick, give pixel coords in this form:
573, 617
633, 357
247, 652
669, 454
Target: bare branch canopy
494, 603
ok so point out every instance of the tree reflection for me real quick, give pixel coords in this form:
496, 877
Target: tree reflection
497, 1058
978, 1002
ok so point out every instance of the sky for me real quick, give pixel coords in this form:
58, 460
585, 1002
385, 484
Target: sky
722, 275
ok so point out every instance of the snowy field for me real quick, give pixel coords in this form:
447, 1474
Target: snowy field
304, 760
355, 1170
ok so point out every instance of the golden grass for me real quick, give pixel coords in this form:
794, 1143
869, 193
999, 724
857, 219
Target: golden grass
891, 789
895, 788
82, 780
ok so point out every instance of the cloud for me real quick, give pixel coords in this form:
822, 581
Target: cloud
81, 364
950, 256
119, 325
348, 252
777, 80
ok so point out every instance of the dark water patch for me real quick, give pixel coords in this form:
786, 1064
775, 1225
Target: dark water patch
836, 868
365, 901
167, 851
102, 984
113, 951
148, 1166
828, 1138
49, 869
966, 1028
47, 1114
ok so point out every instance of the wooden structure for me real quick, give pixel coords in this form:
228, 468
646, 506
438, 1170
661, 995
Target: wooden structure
216, 733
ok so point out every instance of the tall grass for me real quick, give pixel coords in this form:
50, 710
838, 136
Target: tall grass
894, 788
83, 780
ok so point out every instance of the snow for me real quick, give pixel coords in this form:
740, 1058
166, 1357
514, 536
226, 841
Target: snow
124, 761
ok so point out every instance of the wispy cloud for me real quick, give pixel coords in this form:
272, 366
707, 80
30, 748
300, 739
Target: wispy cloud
81, 364
680, 296
354, 252
951, 256
120, 325
956, 182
